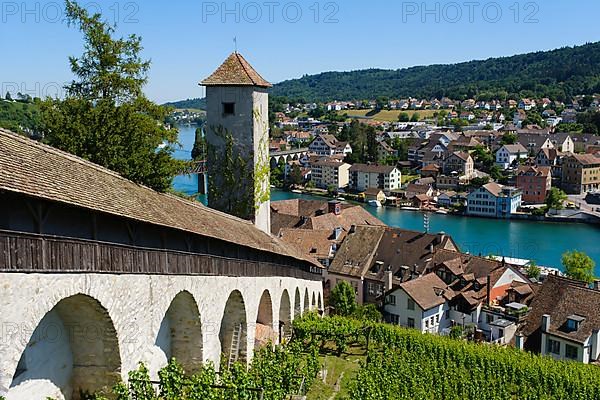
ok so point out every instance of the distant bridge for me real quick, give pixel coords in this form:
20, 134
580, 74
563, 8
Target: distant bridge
200, 167
195, 167
287, 155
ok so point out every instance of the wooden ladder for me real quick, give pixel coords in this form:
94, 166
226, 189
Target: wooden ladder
234, 352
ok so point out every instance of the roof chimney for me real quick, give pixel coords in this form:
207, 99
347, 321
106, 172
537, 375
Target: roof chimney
334, 207
388, 276
545, 323
414, 272
520, 341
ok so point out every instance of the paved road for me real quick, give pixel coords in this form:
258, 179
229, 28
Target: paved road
579, 200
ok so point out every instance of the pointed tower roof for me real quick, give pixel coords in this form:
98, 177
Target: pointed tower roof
235, 71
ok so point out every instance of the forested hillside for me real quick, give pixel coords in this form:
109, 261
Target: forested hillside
558, 74
19, 116
197, 104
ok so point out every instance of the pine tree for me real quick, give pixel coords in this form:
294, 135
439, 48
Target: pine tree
105, 116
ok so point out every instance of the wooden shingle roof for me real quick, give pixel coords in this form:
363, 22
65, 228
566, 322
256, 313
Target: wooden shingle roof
30, 168
235, 71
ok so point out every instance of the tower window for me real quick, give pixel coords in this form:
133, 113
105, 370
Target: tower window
228, 108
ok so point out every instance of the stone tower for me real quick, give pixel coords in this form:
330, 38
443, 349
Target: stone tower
237, 133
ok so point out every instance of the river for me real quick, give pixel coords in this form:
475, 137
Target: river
543, 242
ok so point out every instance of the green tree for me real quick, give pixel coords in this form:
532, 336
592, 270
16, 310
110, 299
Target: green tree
401, 146
509, 138
414, 117
555, 199
343, 299
579, 266
296, 175
403, 117
484, 157
479, 182
368, 312
371, 144
199, 149
533, 271
8, 96
105, 117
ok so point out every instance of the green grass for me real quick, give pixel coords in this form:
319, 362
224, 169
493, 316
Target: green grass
388, 115
408, 178
348, 365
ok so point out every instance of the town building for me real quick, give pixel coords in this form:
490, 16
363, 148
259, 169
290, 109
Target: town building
318, 215
510, 154
421, 304
374, 259
328, 145
494, 201
375, 194
365, 176
460, 289
564, 322
319, 244
330, 172
459, 162
534, 182
385, 151
580, 173
415, 189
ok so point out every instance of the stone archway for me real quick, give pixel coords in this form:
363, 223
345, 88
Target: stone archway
74, 350
264, 321
306, 300
297, 304
180, 334
313, 304
234, 329
320, 302
285, 316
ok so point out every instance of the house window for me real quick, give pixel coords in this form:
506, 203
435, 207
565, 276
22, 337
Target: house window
571, 352
410, 322
355, 286
374, 289
553, 347
437, 318
489, 318
392, 300
427, 323
394, 319
228, 108
572, 325
410, 304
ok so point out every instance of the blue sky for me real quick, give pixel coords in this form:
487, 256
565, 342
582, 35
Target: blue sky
187, 39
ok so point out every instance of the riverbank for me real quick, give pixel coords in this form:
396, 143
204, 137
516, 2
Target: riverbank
541, 241
562, 216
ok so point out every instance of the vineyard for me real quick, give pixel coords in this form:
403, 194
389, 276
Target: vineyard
405, 364
397, 364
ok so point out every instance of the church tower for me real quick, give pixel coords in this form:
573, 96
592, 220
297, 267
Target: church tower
237, 133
